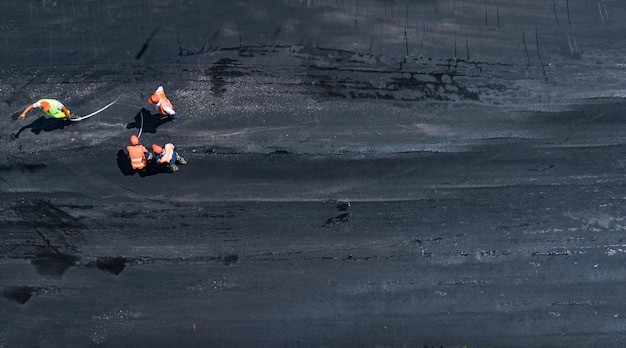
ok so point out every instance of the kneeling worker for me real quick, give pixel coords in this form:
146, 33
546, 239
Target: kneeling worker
138, 154
168, 156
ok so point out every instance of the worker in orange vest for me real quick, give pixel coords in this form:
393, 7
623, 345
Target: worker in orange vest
51, 107
168, 156
162, 104
138, 154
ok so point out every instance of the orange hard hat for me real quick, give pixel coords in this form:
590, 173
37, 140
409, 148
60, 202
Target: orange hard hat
134, 139
45, 106
154, 99
157, 149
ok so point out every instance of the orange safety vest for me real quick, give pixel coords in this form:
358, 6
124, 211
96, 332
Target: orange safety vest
163, 102
136, 155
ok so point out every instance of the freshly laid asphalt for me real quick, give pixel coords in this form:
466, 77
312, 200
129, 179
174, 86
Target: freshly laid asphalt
360, 174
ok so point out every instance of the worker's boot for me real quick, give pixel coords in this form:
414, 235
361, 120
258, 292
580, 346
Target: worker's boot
172, 168
180, 159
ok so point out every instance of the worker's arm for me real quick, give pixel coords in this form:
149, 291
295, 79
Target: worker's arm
169, 110
27, 109
66, 111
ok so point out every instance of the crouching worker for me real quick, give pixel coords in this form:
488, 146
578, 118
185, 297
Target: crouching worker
162, 104
168, 156
138, 154
51, 107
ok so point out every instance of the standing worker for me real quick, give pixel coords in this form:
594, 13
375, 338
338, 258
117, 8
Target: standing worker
162, 104
138, 154
168, 156
51, 107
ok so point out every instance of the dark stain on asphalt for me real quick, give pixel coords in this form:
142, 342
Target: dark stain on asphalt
23, 167
230, 259
146, 44
19, 294
114, 265
219, 72
343, 206
41, 213
337, 220
53, 264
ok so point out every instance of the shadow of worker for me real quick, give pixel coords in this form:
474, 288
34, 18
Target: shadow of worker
123, 163
44, 124
148, 122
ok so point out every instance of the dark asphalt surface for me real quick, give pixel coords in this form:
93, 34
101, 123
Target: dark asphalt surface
360, 174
